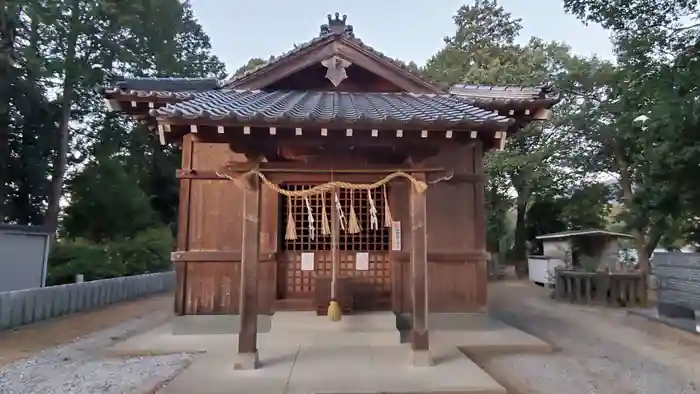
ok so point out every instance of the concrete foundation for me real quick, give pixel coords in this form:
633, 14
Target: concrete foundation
246, 361
304, 353
421, 358
215, 324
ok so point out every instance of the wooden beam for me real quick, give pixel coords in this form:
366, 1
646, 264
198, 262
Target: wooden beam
281, 168
420, 343
542, 114
250, 252
327, 128
214, 256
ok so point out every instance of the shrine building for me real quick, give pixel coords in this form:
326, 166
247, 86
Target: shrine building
330, 174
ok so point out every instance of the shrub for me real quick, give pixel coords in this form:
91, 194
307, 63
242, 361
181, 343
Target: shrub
148, 251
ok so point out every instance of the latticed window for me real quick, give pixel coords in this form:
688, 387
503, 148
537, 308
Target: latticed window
366, 240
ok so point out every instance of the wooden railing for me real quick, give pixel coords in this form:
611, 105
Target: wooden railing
623, 289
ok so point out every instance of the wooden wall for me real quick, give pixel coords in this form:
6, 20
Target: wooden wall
457, 272
209, 236
208, 252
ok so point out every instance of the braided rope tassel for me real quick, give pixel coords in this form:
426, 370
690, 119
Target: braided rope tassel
353, 223
291, 233
325, 224
387, 212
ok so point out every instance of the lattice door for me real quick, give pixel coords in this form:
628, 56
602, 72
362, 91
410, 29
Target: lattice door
371, 285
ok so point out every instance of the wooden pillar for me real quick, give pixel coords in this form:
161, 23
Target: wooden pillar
248, 301
183, 225
420, 343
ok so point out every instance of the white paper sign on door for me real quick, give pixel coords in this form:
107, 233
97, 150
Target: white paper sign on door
362, 261
307, 261
396, 235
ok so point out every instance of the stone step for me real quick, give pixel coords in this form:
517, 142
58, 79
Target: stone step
329, 338
286, 322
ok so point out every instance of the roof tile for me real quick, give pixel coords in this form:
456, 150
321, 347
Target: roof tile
322, 107
481, 94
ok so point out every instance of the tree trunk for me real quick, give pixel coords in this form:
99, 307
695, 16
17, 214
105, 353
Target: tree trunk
9, 20
520, 236
61, 161
640, 241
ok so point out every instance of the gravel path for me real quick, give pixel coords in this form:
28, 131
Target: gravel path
603, 351
80, 367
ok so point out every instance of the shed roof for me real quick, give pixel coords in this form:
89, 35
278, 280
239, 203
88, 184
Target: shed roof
16, 228
579, 233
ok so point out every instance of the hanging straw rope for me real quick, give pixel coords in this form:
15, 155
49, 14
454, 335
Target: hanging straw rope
291, 233
420, 186
387, 212
353, 223
325, 225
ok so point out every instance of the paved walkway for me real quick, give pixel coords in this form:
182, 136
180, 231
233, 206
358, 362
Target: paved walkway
600, 350
304, 353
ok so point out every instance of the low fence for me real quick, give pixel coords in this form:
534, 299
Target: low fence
678, 283
33, 305
618, 289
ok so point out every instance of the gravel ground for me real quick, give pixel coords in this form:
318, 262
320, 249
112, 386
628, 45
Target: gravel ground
80, 367
601, 350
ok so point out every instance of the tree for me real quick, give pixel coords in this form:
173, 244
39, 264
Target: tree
68, 142
649, 111
107, 203
483, 50
252, 63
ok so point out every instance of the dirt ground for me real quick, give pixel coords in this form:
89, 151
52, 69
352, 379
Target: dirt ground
24, 341
600, 350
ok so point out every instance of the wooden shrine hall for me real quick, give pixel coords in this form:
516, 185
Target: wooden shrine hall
329, 177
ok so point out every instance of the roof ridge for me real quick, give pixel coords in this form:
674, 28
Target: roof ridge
402, 65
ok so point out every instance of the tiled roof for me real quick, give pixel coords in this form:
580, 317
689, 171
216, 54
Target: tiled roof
178, 88
480, 94
325, 107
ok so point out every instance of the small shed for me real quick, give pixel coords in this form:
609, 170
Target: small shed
593, 250
23, 256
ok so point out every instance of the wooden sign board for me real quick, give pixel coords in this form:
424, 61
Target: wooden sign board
396, 236
307, 261
362, 261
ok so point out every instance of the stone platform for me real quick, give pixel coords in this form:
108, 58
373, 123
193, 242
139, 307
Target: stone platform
304, 353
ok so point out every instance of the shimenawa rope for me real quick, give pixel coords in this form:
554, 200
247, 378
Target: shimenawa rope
420, 186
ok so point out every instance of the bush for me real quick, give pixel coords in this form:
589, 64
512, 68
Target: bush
147, 252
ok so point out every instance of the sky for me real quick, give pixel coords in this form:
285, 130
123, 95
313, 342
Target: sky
409, 30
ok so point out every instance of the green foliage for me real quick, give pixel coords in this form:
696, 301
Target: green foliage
107, 203
147, 252
643, 117
252, 63
58, 143
483, 50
